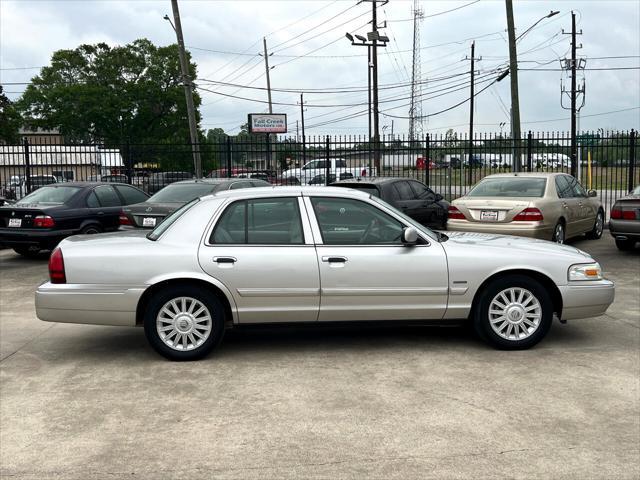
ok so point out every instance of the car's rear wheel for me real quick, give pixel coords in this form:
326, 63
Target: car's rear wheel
513, 312
31, 251
598, 227
91, 230
559, 233
625, 244
184, 322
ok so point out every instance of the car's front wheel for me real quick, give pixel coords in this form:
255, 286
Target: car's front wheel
184, 322
513, 312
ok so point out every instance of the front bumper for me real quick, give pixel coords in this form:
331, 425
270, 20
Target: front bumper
586, 299
88, 303
15, 237
521, 229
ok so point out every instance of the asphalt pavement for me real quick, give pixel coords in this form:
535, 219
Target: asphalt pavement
86, 402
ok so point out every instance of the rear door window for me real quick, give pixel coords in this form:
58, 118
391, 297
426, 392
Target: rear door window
130, 195
107, 196
562, 187
404, 190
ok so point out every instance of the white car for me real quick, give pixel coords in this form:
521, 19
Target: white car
315, 171
313, 254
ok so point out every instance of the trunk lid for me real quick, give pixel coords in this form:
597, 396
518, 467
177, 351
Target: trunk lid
148, 215
490, 209
22, 216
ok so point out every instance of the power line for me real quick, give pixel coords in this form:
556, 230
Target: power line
437, 14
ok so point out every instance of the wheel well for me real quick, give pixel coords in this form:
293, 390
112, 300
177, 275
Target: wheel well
546, 282
153, 289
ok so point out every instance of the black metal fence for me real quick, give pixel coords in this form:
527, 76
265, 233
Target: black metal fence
450, 164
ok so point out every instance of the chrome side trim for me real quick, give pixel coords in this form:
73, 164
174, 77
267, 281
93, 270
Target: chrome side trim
278, 292
384, 291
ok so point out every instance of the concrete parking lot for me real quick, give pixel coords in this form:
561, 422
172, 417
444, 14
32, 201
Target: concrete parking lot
84, 402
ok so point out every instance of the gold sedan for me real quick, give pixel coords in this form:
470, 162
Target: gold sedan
550, 206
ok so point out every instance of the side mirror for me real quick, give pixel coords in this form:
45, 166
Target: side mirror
592, 193
409, 236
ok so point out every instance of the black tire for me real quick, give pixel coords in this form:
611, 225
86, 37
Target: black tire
91, 229
598, 227
482, 323
625, 244
29, 252
216, 313
559, 232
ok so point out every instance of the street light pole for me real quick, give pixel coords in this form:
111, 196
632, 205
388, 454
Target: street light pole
188, 90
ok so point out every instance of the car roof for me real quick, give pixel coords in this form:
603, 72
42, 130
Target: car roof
372, 180
85, 184
283, 191
216, 181
527, 174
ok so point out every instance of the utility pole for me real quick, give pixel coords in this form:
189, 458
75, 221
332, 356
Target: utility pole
188, 90
376, 113
415, 108
266, 66
515, 102
304, 149
297, 130
471, 105
574, 65
369, 86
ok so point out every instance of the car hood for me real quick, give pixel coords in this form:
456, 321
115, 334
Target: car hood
528, 246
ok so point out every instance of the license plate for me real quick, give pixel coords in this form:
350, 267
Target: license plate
489, 216
15, 222
149, 222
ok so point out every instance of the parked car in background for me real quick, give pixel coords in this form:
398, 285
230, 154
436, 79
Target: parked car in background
53, 212
311, 171
111, 178
153, 210
550, 206
38, 181
266, 175
313, 255
159, 180
411, 197
624, 223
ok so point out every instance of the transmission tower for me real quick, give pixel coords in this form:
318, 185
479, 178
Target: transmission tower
415, 110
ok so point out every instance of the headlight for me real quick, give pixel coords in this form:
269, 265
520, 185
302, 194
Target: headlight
586, 271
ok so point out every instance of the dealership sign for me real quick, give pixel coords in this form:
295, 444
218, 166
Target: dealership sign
267, 123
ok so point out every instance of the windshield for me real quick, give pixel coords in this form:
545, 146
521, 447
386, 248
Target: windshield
51, 195
170, 220
181, 193
509, 187
407, 219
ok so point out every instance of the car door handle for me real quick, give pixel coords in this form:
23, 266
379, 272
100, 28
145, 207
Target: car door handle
225, 259
100, 213
565, 205
334, 259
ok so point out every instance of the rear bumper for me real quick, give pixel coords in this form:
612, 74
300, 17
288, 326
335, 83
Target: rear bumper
586, 300
521, 229
625, 228
27, 237
88, 303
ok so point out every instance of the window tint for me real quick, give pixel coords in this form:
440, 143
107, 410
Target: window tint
264, 221
345, 221
509, 187
404, 190
420, 190
130, 195
562, 186
92, 200
238, 185
51, 195
576, 189
107, 196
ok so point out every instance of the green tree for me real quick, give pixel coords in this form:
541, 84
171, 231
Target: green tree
10, 120
98, 93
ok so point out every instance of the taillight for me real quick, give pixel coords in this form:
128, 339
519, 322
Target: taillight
628, 215
123, 219
455, 214
529, 215
56, 267
43, 221
616, 213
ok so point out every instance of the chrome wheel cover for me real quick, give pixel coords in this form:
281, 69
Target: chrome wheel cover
515, 314
599, 224
184, 323
558, 234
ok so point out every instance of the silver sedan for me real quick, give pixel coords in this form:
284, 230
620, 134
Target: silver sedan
313, 254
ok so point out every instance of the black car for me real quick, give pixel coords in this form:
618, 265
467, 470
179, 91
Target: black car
409, 196
43, 218
157, 181
152, 211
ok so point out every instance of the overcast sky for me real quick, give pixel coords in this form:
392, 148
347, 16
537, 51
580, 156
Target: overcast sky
310, 52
